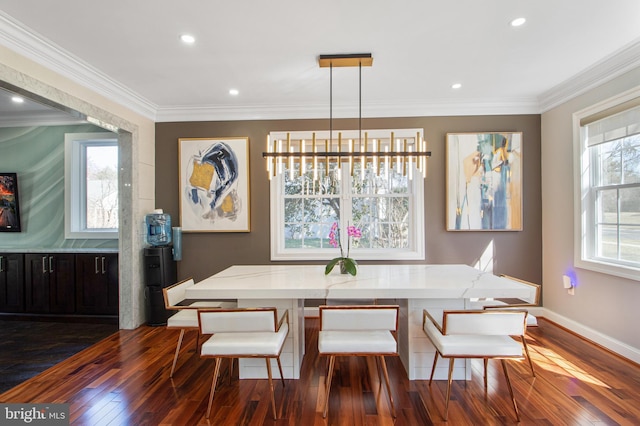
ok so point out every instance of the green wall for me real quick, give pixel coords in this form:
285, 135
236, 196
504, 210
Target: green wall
36, 154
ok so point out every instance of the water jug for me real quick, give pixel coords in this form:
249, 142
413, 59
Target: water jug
158, 229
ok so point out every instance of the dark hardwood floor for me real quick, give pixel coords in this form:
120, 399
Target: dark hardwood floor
124, 380
30, 347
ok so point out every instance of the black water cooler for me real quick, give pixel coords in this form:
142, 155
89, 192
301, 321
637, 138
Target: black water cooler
159, 271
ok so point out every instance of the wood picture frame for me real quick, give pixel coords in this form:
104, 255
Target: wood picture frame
214, 184
484, 181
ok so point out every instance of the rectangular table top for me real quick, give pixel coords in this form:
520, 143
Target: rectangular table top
371, 281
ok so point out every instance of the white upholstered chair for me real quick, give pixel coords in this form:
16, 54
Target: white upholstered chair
532, 300
482, 334
186, 312
243, 333
358, 330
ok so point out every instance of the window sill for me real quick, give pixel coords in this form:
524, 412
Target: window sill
609, 269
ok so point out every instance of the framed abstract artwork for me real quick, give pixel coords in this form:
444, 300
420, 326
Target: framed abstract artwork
484, 181
9, 203
214, 184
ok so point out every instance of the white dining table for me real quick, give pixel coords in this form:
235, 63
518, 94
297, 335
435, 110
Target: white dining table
412, 287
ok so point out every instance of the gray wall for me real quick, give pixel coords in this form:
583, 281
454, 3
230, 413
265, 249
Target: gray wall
36, 154
604, 307
514, 253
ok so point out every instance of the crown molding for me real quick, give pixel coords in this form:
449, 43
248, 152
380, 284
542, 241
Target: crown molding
32, 45
460, 107
28, 43
610, 67
39, 118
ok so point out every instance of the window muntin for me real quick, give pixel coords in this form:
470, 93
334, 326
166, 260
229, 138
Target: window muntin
615, 183
384, 204
91, 186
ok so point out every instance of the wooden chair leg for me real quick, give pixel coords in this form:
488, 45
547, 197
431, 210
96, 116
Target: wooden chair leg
485, 361
231, 362
273, 399
526, 351
386, 380
513, 399
446, 406
280, 368
175, 356
216, 372
433, 369
379, 371
332, 360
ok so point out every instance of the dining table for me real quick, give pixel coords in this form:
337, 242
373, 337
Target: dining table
413, 287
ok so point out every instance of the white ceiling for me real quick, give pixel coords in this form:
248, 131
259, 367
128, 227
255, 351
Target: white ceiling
130, 51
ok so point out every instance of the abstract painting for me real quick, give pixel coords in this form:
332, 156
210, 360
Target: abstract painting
214, 184
484, 181
9, 203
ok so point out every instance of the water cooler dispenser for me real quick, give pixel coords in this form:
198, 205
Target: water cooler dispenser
159, 265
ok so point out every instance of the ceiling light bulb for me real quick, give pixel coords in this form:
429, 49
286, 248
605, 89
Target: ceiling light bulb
518, 22
186, 38
17, 99
233, 92
456, 86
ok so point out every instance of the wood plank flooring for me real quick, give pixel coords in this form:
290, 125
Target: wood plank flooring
31, 347
124, 380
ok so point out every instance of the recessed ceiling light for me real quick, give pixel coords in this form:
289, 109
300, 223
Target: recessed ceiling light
518, 22
456, 85
17, 99
233, 92
187, 38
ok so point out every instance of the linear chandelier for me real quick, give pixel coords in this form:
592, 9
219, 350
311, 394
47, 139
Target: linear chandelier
380, 152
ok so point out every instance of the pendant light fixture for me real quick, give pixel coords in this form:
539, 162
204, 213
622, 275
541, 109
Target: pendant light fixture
405, 152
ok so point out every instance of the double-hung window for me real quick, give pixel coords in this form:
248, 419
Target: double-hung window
91, 185
609, 216
383, 201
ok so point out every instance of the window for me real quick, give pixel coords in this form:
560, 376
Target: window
387, 206
610, 187
91, 185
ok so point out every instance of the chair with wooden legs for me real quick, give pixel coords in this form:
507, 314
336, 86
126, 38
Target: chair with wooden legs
358, 330
243, 333
186, 312
485, 334
531, 301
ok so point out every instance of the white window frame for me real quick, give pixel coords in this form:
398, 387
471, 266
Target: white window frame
584, 205
75, 185
416, 249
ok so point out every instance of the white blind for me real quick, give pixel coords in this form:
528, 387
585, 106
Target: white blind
616, 126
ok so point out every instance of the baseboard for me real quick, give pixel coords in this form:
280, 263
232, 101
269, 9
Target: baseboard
607, 342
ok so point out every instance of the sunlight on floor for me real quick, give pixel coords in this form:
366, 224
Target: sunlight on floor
552, 361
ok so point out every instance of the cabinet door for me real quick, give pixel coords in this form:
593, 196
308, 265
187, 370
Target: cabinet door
11, 282
97, 284
36, 283
111, 271
62, 287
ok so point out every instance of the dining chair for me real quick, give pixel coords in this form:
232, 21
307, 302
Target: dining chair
485, 334
531, 301
243, 333
186, 312
358, 330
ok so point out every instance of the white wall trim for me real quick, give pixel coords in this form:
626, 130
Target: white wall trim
32, 45
589, 333
605, 70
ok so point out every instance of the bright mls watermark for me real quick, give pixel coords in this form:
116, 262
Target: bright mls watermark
36, 414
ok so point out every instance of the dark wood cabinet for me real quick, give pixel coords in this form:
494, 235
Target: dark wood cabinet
12, 282
50, 283
97, 284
